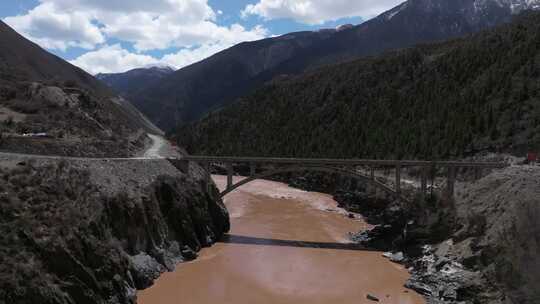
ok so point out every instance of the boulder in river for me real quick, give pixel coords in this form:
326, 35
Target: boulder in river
397, 257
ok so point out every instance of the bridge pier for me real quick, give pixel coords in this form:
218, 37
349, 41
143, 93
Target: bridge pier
423, 182
208, 169
450, 183
398, 178
477, 173
181, 164
252, 169
229, 175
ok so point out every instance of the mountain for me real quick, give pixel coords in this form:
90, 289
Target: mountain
134, 80
191, 92
22, 60
48, 106
447, 100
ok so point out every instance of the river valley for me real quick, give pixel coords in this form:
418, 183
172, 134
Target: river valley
285, 246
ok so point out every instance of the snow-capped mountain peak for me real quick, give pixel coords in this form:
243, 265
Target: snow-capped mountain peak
159, 66
477, 13
516, 6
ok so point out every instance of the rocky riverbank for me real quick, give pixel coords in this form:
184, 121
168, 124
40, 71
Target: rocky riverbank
96, 231
491, 255
480, 248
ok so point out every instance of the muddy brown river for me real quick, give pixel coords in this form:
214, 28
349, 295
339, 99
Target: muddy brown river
286, 246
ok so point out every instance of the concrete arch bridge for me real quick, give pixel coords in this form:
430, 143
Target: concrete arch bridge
344, 167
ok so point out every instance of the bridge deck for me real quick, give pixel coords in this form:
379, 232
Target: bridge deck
344, 162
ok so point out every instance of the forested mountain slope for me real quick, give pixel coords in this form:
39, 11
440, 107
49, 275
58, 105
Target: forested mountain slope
433, 101
191, 92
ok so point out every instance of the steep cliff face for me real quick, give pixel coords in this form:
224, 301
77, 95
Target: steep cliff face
498, 233
72, 233
480, 248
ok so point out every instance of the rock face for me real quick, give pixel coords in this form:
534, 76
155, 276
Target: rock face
481, 248
72, 234
52, 95
498, 233
75, 122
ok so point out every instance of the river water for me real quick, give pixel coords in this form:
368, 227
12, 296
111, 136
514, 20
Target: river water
285, 246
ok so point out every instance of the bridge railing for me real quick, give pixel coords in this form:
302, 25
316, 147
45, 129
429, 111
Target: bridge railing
344, 162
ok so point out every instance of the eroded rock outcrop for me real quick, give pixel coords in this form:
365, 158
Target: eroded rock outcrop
481, 248
68, 238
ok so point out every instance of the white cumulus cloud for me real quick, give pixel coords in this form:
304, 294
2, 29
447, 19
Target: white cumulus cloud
115, 59
112, 58
56, 29
147, 24
187, 29
318, 11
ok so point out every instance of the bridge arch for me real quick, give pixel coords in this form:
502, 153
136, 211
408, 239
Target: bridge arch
324, 169
336, 166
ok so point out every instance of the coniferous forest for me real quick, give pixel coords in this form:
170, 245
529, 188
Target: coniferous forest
447, 100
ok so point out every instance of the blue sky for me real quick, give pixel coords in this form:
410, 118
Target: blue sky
118, 35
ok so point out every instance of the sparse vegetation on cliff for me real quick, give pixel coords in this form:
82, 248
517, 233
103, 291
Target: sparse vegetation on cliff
73, 113
67, 240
